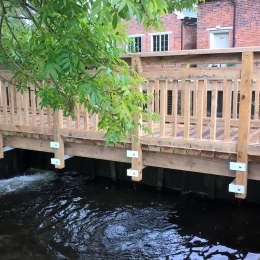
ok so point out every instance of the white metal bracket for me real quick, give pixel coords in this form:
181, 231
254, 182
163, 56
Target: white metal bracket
55, 145
132, 173
237, 166
232, 187
55, 161
131, 154
7, 148
67, 156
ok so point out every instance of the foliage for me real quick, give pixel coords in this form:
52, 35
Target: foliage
56, 42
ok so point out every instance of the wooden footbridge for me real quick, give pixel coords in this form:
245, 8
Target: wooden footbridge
208, 101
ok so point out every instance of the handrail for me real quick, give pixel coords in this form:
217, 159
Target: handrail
201, 108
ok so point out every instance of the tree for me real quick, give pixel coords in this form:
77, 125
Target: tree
52, 44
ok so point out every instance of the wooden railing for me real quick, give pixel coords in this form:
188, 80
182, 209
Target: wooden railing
197, 94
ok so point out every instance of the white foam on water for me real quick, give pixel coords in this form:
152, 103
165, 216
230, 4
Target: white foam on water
25, 181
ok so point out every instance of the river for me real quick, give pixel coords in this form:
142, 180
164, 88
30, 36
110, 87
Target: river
51, 215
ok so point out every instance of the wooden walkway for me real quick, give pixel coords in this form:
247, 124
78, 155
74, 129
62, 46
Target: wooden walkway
209, 116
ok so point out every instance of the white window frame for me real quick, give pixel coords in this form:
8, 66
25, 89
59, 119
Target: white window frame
216, 30
134, 36
160, 33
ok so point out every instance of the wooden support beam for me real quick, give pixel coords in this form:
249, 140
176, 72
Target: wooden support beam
244, 119
137, 163
58, 125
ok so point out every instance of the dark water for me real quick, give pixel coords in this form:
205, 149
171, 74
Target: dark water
65, 216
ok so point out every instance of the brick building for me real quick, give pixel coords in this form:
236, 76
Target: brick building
228, 23
179, 33
218, 24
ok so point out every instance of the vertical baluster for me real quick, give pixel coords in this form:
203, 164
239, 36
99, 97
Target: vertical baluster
224, 99
41, 112
150, 87
69, 122
19, 107
235, 98
205, 98
49, 117
77, 116
157, 96
95, 122
175, 107
214, 102
86, 120
195, 98
227, 116
26, 107
163, 97
12, 104
4, 101
186, 90
33, 105
200, 106
256, 115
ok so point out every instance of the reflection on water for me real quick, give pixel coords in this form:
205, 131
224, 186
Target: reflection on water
64, 216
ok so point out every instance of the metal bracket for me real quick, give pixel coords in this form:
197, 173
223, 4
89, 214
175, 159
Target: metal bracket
132, 173
131, 154
7, 148
55, 145
237, 166
55, 161
232, 187
67, 156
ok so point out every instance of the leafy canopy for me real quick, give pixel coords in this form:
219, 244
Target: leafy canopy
56, 42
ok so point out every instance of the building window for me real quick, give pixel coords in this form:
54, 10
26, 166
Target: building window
219, 37
160, 42
135, 44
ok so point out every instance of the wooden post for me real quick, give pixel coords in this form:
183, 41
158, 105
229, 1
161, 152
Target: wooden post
112, 165
58, 124
137, 163
244, 118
